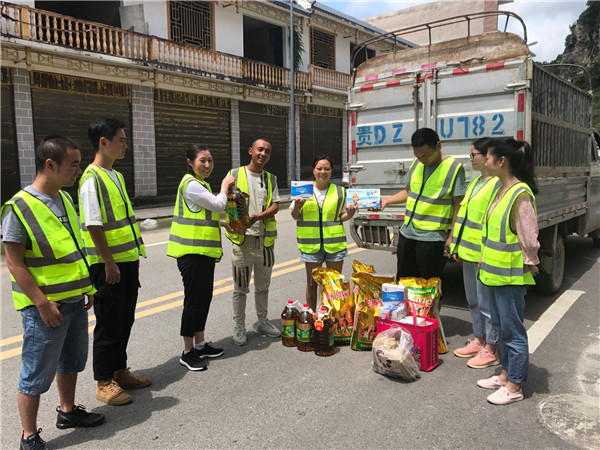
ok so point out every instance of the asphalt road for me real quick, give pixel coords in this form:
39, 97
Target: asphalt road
265, 395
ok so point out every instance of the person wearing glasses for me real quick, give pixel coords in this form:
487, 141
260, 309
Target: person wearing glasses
435, 186
466, 247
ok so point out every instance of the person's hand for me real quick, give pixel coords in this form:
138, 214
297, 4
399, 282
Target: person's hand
455, 257
253, 219
227, 182
113, 274
351, 209
299, 203
50, 314
447, 244
382, 206
90, 302
534, 270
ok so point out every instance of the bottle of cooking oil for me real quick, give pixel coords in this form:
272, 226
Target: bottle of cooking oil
305, 329
288, 324
323, 333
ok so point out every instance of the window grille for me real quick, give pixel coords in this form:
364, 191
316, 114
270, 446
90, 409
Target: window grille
322, 52
191, 23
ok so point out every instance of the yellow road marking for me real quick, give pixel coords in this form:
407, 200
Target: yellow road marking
174, 304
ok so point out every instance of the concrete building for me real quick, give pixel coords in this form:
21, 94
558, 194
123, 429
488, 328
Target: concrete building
177, 73
430, 12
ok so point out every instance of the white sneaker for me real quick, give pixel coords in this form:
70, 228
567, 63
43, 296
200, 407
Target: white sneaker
504, 397
239, 336
266, 329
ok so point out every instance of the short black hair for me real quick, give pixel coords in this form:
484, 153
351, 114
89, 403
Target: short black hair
424, 136
54, 148
105, 127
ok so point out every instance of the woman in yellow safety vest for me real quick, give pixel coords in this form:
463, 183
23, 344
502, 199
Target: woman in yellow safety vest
466, 247
195, 240
320, 233
509, 261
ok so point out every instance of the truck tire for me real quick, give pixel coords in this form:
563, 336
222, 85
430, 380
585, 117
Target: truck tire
596, 242
549, 281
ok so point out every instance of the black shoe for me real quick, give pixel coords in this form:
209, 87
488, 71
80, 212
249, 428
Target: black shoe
208, 351
78, 417
192, 361
33, 442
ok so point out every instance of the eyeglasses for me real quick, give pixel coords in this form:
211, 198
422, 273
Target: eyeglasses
473, 155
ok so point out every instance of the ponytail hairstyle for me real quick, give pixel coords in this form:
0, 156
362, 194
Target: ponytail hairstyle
192, 153
520, 157
482, 145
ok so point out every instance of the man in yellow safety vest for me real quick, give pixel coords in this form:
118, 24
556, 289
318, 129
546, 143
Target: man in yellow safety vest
114, 246
435, 186
44, 254
254, 248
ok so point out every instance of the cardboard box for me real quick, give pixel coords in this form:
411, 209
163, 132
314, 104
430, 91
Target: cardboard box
364, 198
302, 190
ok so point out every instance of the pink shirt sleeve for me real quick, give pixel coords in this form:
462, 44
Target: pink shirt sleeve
523, 221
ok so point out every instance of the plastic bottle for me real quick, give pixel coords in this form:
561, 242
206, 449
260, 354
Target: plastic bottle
288, 324
323, 333
237, 209
305, 330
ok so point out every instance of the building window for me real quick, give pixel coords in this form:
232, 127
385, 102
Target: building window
322, 49
364, 54
192, 23
263, 41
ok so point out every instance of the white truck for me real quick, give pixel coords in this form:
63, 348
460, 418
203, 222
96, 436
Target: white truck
467, 88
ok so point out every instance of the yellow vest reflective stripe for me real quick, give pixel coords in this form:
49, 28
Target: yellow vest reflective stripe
466, 235
429, 204
193, 233
55, 259
501, 255
271, 223
118, 221
318, 226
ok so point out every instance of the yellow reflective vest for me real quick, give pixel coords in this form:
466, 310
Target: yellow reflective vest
501, 254
318, 227
193, 233
429, 203
56, 259
466, 235
271, 223
118, 221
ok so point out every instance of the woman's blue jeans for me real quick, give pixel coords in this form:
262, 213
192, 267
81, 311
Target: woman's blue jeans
507, 308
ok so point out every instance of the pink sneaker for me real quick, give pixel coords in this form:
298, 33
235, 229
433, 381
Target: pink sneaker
469, 350
503, 396
491, 383
483, 359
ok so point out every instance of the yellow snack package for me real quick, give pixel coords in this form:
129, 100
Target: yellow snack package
367, 298
424, 300
337, 296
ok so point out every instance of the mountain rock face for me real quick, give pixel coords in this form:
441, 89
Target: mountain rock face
582, 47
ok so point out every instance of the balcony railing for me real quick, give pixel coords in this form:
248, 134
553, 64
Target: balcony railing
37, 25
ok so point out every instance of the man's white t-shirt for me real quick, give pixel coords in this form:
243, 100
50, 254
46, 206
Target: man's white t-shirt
89, 203
257, 190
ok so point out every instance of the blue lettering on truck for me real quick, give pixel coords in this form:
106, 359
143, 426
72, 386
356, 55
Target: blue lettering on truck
470, 126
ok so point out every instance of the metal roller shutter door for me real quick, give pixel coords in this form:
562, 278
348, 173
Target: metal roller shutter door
321, 131
10, 157
184, 119
66, 106
267, 122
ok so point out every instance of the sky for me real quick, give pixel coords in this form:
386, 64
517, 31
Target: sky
547, 21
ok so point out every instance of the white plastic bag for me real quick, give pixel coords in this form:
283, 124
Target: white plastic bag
392, 355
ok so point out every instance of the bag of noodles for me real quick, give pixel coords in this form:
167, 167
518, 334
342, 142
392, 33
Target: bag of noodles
336, 295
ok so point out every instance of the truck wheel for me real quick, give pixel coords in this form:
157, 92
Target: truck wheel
596, 242
552, 269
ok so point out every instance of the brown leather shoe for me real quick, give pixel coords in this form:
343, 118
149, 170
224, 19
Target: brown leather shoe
111, 393
128, 380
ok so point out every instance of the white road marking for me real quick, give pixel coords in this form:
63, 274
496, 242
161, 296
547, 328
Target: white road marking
544, 325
